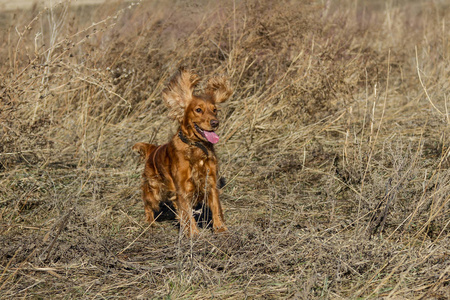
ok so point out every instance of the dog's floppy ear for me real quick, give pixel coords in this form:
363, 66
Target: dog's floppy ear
178, 93
219, 88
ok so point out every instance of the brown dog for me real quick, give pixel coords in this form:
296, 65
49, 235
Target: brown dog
185, 169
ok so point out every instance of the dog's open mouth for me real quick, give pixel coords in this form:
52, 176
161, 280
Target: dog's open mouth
210, 136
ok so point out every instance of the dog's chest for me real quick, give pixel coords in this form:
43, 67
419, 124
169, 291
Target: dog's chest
202, 171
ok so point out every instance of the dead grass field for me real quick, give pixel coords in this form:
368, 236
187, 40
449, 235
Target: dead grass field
335, 146
8, 5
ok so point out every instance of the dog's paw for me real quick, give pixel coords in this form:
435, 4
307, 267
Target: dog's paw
221, 229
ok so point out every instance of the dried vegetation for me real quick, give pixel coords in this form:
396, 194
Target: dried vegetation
335, 147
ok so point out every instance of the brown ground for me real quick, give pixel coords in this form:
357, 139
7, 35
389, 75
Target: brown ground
335, 147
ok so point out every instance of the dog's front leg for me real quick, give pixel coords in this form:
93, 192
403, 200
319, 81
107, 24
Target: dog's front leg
184, 206
216, 210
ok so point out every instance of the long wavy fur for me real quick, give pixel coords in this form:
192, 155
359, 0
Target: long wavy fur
179, 91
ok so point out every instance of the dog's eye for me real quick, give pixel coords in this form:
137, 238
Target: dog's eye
214, 110
199, 110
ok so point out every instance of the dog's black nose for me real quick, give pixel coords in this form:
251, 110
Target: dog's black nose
214, 123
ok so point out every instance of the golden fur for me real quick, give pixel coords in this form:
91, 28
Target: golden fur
185, 169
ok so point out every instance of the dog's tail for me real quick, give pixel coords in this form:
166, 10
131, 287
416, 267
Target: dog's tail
144, 149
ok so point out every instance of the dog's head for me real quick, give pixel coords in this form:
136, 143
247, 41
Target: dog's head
197, 113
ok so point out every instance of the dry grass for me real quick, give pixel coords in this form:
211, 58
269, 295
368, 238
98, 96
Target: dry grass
335, 146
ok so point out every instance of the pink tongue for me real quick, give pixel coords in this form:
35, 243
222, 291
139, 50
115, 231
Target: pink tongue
211, 136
